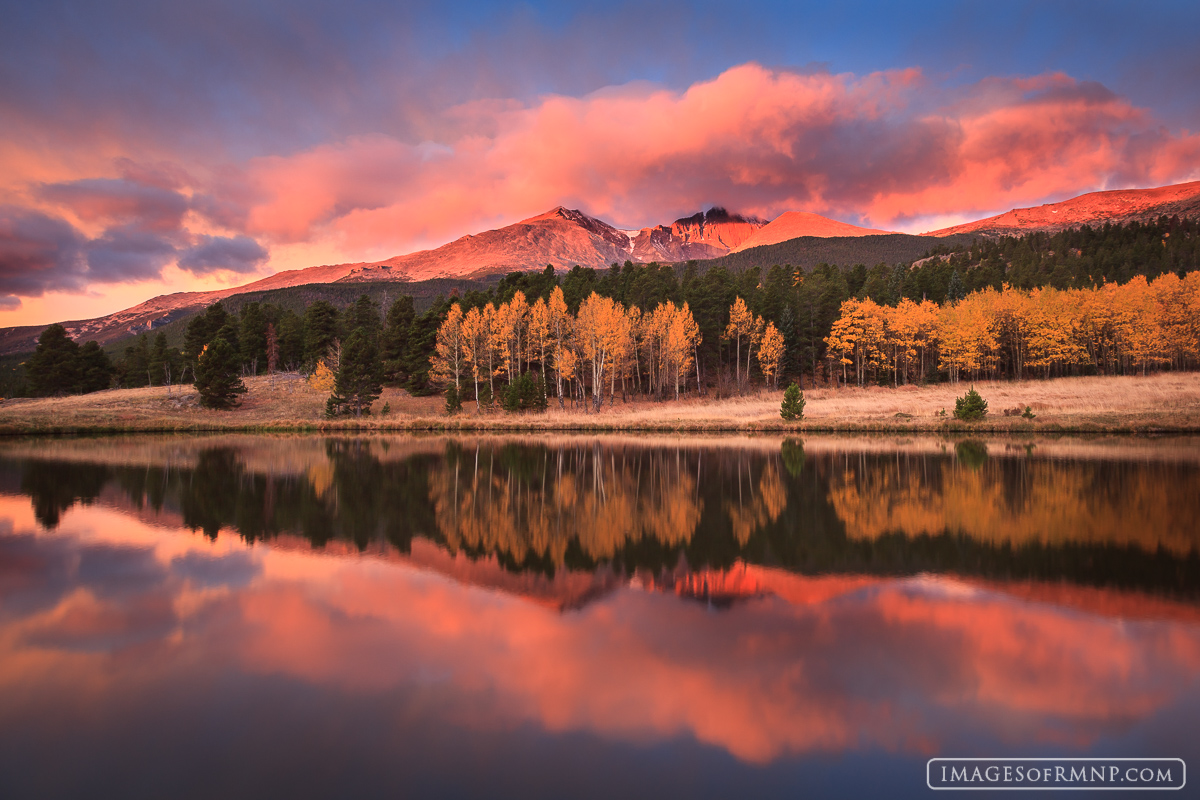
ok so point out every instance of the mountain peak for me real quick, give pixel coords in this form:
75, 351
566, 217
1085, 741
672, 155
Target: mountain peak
558, 212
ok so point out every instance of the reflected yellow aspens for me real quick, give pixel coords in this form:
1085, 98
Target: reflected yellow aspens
1048, 503
748, 514
596, 498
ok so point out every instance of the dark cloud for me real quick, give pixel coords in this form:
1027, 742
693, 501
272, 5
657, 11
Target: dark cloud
121, 201
38, 252
127, 254
215, 253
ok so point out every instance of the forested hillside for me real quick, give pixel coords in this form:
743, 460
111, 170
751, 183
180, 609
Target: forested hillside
1089, 301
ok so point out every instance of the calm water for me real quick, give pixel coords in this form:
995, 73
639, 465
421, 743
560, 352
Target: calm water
250, 616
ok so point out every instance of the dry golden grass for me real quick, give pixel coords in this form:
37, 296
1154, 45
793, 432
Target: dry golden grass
1167, 402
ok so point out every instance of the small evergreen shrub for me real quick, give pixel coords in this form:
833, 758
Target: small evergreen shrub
970, 407
523, 394
453, 401
792, 408
1028, 413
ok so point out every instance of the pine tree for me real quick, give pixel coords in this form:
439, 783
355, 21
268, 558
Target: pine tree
135, 366
970, 407
957, 290
95, 369
453, 400
218, 380
364, 314
201, 330
321, 329
395, 338
253, 338
792, 408
53, 369
360, 377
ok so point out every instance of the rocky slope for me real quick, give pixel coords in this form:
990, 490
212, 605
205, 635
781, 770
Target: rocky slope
1095, 208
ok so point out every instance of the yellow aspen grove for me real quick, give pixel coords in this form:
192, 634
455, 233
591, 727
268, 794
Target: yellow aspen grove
739, 329
1055, 323
635, 341
1177, 318
1111, 328
622, 345
491, 350
679, 346
756, 333
770, 354
558, 321
475, 338
596, 333
1139, 330
902, 326
537, 332
448, 358
858, 337
508, 333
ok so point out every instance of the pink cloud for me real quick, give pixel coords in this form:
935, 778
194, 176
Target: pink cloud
754, 139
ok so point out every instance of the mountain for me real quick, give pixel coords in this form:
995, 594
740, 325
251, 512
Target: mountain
708, 235
164, 309
562, 237
565, 237
795, 224
1120, 206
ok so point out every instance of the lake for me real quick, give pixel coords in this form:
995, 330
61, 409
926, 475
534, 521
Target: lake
587, 616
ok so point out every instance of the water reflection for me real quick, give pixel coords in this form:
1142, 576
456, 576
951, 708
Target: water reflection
582, 502
435, 616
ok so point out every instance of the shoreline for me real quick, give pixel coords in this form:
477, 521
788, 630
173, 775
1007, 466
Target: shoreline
1162, 404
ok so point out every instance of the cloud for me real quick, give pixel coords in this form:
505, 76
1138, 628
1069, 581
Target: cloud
214, 253
127, 254
881, 148
108, 200
38, 252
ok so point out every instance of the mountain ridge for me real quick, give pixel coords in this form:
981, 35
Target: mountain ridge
565, 237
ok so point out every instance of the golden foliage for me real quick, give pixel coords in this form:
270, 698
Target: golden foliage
322, 379
1111, 328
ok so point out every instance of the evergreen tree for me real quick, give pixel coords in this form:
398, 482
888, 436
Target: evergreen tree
135, 366
291, 340
360, 378
253, 338
957, 290
95, 369
453, 400
792, 408
321, 330
201, 330
420, 345
218, 380
364, 314
395, 338
53, 369
971, 407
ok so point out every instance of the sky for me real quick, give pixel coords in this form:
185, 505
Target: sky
150, 147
